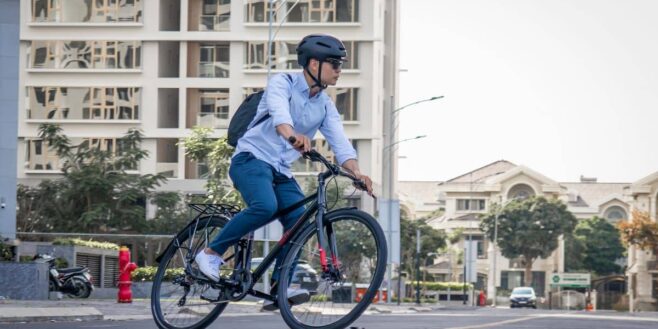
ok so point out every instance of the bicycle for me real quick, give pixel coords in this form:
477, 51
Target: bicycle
345, 247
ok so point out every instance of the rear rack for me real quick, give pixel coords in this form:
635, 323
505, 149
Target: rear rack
214, 209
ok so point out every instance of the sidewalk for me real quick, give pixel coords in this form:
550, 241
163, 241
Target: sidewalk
140, 309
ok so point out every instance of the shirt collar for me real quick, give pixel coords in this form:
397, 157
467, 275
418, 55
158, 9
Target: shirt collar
299, 82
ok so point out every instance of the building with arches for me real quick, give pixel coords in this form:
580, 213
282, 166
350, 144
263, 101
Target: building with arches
467, 196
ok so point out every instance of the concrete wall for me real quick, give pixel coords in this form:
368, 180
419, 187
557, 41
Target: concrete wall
24, 280
9, 31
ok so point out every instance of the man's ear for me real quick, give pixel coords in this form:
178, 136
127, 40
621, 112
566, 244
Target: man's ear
313, 65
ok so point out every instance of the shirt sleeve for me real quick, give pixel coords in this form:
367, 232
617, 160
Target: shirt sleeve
332, 130
277, 96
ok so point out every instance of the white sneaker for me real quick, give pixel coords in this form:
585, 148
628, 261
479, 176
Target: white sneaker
209, 264
295, 297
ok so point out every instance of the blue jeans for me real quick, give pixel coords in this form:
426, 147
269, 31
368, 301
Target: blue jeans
265, 191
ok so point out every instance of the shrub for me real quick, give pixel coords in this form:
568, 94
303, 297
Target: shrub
147, 273
441, 286
85, 243
5, 252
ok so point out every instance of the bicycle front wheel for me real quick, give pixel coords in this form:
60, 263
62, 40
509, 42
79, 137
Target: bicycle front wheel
178, 301
336, 299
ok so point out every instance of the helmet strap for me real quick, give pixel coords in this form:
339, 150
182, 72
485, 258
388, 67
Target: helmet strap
318, 80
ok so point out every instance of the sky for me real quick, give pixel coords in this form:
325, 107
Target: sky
565, 87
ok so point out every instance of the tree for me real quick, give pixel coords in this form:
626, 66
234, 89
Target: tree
597, 245
641, 231
96, 193
431, 241
171, 215
216, 154
529, 228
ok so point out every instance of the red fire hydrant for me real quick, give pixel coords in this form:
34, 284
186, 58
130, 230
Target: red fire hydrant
482, 298
126, 267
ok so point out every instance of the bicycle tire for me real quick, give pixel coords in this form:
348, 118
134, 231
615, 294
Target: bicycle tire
213, 222
292, 314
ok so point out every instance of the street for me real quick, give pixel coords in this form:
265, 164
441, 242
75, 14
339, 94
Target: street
457, 319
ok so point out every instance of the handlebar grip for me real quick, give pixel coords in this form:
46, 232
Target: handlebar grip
361, 185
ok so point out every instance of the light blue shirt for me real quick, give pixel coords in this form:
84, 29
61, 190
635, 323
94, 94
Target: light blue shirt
289, 103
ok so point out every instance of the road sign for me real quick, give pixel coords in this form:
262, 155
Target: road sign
571, 280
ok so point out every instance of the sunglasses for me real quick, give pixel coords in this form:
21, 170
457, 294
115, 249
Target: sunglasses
335, 63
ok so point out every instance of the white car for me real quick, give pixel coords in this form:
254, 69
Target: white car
523, 297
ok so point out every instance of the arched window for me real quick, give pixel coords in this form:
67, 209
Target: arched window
615, 214
520, 191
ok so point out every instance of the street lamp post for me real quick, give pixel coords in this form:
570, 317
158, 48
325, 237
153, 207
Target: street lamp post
495, 245
388, 152
417, 266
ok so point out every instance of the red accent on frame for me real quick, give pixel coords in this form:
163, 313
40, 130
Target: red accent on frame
284, 238
323, 259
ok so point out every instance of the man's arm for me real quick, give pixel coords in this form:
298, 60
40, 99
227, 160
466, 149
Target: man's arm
302, 143
353, 166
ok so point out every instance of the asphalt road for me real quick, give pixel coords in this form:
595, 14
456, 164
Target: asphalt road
475, 319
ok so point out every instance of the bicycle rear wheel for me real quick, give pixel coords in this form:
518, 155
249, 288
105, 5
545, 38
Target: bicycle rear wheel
336, 300
176, 297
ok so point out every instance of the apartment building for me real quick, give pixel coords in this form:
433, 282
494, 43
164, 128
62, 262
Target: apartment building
98, 68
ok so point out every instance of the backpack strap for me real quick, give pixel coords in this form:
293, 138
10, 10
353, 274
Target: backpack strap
267, 115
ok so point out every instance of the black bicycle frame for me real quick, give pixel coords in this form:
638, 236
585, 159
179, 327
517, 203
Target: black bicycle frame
319, 207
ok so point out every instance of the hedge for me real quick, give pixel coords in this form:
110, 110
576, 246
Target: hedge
441, 286
147, 273
85, 243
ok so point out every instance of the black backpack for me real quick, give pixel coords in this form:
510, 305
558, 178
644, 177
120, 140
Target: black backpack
244, 115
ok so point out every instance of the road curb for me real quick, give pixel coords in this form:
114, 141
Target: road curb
45, 314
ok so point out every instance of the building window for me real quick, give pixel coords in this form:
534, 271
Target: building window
322, 146
346, 100
215, 15
521, 192
85, 54
285, 55
83, 103
214, 60
654, 285
304, 11
86, 11
39, 156
471, 204
615, 214
214, 109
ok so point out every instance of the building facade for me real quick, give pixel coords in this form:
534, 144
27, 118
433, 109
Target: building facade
98, 68
472, 194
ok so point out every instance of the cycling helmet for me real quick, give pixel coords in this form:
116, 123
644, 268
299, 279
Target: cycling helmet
320, 47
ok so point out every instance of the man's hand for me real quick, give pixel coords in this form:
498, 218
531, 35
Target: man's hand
302, 143
367, 181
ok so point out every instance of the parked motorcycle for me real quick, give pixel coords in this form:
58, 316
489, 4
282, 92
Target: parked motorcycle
76, 282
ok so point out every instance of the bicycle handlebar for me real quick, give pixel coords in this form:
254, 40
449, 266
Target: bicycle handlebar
315, 156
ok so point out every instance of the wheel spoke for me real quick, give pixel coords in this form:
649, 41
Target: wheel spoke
177, 297
335, 301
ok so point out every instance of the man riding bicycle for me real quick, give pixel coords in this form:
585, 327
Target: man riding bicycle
260, 166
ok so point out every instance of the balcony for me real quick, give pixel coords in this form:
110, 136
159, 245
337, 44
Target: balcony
208, 59
209, 15
304, 11
63, 12
207, 108
83, 104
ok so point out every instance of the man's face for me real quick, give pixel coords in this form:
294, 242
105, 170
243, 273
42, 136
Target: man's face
330, 70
